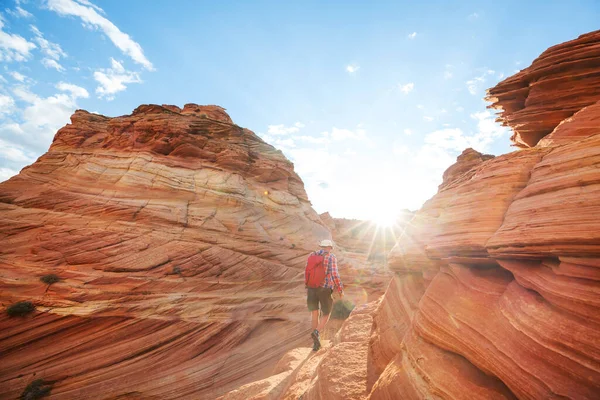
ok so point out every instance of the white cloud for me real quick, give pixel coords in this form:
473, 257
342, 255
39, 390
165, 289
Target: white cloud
42, 117
448, 139
352, 68
90, 17
76, 91
412, 35
474, 85
6, 173
14, 47
420, 106
48, 63
448, 75
112, 80
454, 139
281, 129
17, 76
473, 16
52, 51
19, 12
15, 153
408, 132
460, 109
406, 89
428, 118
7, 104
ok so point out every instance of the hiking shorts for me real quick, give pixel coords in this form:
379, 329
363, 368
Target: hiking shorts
320, 296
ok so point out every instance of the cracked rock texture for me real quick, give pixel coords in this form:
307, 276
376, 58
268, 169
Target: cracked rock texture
180, 241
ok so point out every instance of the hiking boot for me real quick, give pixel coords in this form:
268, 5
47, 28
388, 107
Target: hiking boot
316, 346
317, 341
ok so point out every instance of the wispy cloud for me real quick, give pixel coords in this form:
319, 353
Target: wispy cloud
17, 76
474, 84
281, 129
473, 16
40, 118
407, 88
7, 104
352, 68
52, 51
112, 80
408, 132
412, 35
14, 47
19, 12
90, 17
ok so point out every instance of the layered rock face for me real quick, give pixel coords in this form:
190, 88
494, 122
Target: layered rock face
498, 281
496, 291
180, 241
560, 82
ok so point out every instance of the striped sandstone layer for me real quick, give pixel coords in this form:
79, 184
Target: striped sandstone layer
180, 240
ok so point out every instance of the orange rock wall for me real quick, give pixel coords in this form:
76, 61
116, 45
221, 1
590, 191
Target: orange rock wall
509, 253
180, 239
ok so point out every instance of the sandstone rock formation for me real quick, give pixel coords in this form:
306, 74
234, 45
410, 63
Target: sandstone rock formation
496, 293
180, 241
497, 276
560, 82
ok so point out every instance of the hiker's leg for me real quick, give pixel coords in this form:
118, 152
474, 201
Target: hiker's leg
312, 301
326, 300
322, 322
315, 319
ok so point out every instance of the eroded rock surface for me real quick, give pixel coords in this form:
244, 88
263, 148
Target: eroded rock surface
180, 241
561, 81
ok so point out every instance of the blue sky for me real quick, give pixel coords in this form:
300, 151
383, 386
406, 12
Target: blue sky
372, 101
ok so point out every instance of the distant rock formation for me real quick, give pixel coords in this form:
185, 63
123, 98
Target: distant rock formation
366, 237
180, 241
497, 277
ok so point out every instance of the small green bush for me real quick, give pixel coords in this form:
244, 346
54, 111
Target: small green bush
342, 309
20, 309
50, 279
36, 390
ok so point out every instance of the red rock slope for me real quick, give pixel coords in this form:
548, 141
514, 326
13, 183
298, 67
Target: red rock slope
496, 293
180, 240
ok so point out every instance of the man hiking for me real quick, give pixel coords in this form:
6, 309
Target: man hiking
321, 276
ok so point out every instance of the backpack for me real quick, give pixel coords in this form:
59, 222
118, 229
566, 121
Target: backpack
314, 275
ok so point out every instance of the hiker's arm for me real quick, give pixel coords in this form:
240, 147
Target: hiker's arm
334, 274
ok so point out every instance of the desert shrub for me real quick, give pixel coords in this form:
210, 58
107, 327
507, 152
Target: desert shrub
342, 309
36, 390
293, 245
50, 279
20, 309
177, 270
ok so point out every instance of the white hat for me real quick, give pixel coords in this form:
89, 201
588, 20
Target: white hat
326, 243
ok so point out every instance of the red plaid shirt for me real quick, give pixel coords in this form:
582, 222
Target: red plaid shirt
332, 277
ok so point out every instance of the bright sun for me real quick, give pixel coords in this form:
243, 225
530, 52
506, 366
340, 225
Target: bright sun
384, 218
